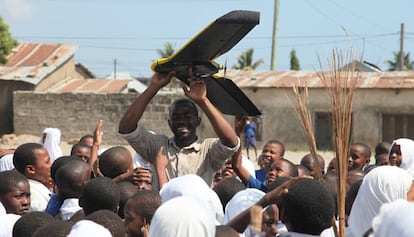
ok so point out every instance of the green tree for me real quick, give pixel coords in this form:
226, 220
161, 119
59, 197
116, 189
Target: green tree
167, 51
245, 61
7, 43
294, 61
395, 65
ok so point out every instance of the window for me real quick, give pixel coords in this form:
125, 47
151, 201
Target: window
396, 126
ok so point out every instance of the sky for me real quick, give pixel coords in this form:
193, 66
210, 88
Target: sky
131, 31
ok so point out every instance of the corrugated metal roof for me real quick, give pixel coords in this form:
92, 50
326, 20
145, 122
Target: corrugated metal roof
95, 86
32, 62
275, 79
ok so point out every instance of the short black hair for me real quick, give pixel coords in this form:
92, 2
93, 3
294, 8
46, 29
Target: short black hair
99, 193
293, 170
112, 161
59, 162
186, 102
149, 201
367, 149
78, 145
279, 143
9, 179
24, 156
308, 207
54, 228
71, 177
382, 148
29, 223
126, 190
227, 188
110, 220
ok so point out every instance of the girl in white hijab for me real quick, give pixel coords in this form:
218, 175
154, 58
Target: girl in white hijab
51, 141
401, 154
182, 217
394, 219
194, 186
383, 184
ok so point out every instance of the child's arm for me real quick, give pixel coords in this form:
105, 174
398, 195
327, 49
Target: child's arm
97, 141
236, 159
161, 162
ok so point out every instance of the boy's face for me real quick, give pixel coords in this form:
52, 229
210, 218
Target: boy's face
395, 155
279, 168
17, 200
143, 179
41, 169
83, 152
270, 219
133, 222
227, 170
271, 152
357, 158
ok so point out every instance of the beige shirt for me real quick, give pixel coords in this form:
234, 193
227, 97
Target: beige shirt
203, 157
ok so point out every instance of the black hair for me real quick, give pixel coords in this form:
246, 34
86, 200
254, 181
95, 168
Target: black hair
351, 195
293, 170
112, 161
24, 156
277, 182
9, 179
382, 148
304, 169
99, 193
186, 102
59, 162
126, 190
308, 208
226, 231
71, 177
367, 149
110, 220
54, 229
83, 138
227, 188
77, 146
148, 202
29, 223
279, 143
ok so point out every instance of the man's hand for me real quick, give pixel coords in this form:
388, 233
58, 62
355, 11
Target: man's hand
197, 90
160, 80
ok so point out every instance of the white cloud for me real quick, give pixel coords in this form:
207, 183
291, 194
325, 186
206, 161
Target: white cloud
15, 10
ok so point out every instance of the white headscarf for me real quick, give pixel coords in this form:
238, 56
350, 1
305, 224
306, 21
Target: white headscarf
184, 217
407, 153
88, 228
241, 201
52, 143
194, 186
395, 219
383, 184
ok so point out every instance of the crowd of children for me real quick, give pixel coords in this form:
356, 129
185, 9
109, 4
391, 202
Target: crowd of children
189, 186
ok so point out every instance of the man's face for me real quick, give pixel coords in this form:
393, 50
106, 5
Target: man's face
183, 121
357, 158
17, 200
279, 168
271, 152
395, 155
42, 167
133, 222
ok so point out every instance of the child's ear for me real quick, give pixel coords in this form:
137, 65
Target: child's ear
368, 161
30, 169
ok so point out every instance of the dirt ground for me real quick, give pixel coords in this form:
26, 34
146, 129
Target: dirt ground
14, 141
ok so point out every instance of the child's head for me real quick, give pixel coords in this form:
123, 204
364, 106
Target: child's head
270, 220
71, 178
81, 150
226, 231
227, 188
59, 162
54, 228
99, 193
126, 190
139, 210
110, 220
30, 222
359, 157
14, 192
382, 159
115, 161
309, 163
272, 150
87, 139
281, 168
33, 161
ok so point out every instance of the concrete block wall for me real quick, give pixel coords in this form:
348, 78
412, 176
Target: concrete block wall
77, 114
